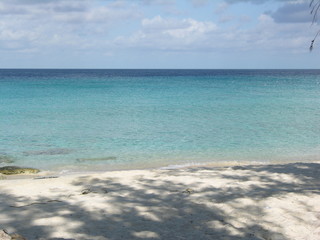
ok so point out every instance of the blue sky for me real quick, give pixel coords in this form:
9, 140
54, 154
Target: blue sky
157, 34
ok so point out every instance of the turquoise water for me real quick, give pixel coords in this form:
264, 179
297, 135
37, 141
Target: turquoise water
127, 119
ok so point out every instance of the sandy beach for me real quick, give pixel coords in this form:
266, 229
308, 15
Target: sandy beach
241, 202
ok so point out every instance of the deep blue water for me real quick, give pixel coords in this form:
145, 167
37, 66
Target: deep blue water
126, 119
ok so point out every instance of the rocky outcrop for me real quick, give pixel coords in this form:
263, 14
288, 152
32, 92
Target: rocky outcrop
10, 170
5, 236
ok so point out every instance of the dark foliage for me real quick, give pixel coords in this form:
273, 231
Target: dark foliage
314, 6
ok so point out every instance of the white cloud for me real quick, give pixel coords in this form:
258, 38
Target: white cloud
165, 34
111, 27
280, 37
160, 24
61, 23
170, 34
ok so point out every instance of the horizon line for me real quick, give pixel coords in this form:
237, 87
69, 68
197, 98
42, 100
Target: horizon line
159, 68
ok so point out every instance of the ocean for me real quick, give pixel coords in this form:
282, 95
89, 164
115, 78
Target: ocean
80, 120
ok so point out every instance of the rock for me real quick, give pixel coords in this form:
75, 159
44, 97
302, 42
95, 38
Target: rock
94, 190
10, 170
16, 236
45, 177
4, 235
85, 191
188, 190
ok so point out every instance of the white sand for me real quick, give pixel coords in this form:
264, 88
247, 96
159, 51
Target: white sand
250, 202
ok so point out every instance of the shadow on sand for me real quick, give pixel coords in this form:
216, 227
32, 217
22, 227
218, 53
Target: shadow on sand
168, 207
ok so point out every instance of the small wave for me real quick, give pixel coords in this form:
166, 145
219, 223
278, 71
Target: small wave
110, 158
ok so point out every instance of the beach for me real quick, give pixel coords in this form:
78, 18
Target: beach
279, 201
168, 120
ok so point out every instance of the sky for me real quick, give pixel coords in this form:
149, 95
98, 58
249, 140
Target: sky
196, 34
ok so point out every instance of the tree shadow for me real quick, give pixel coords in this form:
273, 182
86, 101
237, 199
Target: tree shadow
171, 204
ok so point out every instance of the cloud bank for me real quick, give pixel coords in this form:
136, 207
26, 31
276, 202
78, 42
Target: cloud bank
111, 28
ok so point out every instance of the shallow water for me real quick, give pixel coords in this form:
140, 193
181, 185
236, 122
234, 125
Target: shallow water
127, 119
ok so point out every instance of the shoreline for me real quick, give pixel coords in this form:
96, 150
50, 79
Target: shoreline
269, 201
93, 170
